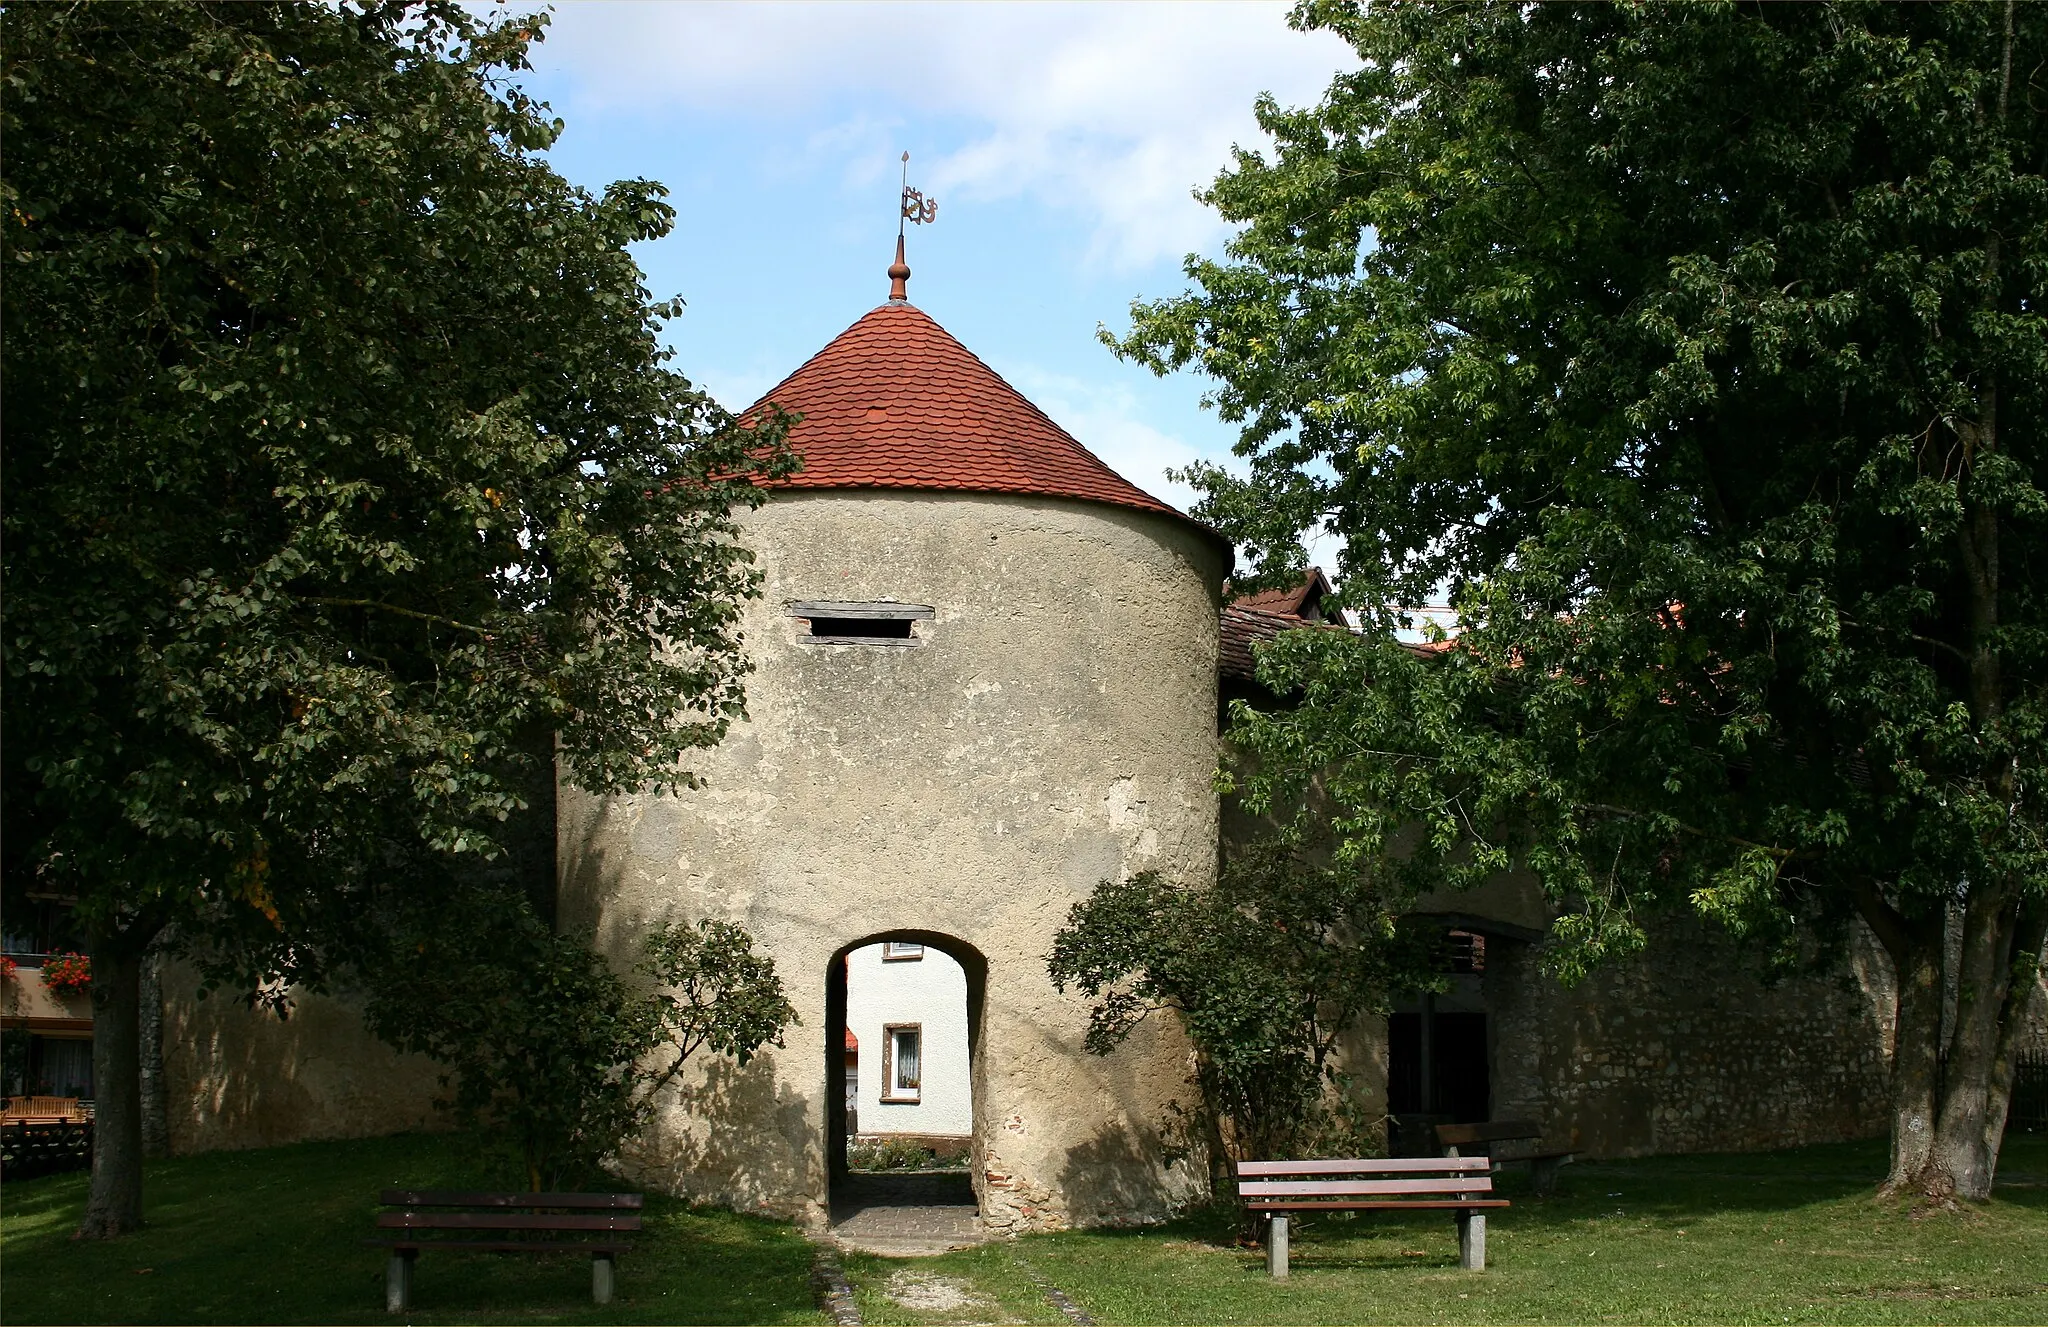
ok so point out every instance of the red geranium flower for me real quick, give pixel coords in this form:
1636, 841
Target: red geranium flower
67, 974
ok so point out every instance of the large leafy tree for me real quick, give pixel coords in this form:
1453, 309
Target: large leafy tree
345, 479
1699, 350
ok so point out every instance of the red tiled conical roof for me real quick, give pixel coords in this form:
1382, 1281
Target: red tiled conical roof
895, 402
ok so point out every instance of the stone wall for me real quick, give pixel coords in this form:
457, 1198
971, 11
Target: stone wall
1687, 1049
236, 1077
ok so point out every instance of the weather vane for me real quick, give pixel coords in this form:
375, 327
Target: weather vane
918, 208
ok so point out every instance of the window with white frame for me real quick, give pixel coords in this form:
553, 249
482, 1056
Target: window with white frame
898, 951
902, 1061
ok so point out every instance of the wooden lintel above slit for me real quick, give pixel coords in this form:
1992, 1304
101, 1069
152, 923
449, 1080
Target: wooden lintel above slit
838, 608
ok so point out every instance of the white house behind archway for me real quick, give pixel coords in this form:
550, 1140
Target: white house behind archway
906, 1006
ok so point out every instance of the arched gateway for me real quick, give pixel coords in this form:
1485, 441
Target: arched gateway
985, 680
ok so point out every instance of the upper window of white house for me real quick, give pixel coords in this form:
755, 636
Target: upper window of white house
899, 951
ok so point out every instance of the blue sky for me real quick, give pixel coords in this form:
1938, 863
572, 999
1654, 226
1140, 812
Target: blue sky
1061, 140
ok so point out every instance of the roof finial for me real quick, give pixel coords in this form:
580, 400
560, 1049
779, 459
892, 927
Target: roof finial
915, 208
899, 274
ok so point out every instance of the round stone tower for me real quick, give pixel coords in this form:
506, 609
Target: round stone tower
985, 681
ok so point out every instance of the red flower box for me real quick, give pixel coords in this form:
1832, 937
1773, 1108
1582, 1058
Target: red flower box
67, 974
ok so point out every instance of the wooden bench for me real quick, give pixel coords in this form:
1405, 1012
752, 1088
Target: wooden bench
1457, 1138
499, 1219
1461, 1185
44, 1110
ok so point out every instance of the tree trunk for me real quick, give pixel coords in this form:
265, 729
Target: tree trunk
1948, 1121
114, 1206
1916, 1059
156, 1122
1960, 1161
1966, 1154
2025, 1000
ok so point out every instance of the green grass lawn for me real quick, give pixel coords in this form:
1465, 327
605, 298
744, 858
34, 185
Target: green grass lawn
1784, 1237
274, 1236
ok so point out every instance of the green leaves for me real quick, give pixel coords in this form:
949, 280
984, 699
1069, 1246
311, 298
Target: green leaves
548, 1049
344, 465
1265, 971
1695, 351
715, 991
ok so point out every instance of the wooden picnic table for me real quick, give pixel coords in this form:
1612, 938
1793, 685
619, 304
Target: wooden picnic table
44, 1110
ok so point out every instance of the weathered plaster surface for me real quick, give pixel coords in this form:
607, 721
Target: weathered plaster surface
26, 1003
1511, 899
237, 1077
1054, 727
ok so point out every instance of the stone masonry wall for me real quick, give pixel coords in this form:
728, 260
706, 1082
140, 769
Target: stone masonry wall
1687, 1049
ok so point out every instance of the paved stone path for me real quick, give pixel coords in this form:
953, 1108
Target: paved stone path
830, 1288
1055, 1296
907, 1215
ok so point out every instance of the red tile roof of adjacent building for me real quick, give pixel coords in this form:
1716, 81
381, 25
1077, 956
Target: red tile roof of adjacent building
1299, 600
1253, 619
895, 402
1241, 628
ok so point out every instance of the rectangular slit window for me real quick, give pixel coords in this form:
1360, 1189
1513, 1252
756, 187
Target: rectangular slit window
835, 622
880, 628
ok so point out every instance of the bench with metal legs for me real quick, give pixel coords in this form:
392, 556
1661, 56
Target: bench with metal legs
1461, 1185
436, 1219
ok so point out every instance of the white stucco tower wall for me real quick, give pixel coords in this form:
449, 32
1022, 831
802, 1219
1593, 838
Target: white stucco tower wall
1053, 726
1048, 722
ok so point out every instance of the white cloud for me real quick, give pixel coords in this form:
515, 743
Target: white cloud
1107, 421
1116, 110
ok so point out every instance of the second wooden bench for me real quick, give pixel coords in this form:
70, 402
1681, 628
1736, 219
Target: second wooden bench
1459, 1139
1461, 1185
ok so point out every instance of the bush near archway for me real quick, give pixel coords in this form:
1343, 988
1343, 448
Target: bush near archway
553, 1056
1266, 971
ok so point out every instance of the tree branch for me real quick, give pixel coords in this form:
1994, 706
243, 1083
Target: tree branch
1885, 921
402, 612
1782, 854
1956, 650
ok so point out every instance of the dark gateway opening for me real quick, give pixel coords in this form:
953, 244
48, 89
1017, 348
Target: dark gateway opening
1443, 1076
